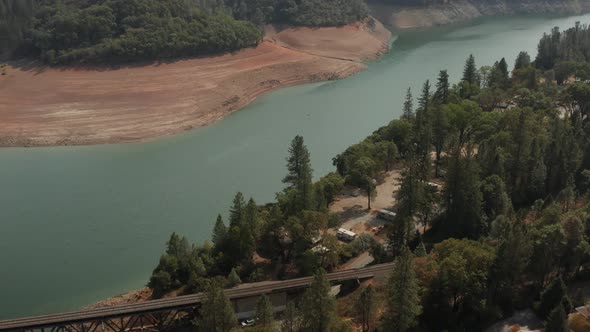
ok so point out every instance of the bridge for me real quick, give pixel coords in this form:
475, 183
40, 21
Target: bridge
165, 314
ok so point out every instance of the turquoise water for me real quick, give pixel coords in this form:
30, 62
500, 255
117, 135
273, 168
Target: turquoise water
79, 224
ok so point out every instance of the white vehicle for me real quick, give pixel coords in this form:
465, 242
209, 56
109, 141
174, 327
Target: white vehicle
248, 322
346, 235
436, 186
386, 215
320, 249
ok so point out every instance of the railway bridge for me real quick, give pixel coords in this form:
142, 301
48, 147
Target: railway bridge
169, 313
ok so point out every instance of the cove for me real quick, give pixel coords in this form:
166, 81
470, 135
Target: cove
79, 224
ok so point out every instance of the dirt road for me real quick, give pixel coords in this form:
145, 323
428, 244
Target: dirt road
50, 106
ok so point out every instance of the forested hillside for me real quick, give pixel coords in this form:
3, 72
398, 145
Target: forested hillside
97, 31
15, 22
299, 12
442, 2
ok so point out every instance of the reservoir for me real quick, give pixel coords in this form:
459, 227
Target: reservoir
79, 224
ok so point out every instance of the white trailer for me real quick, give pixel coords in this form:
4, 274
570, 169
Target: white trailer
386, 215
346, 235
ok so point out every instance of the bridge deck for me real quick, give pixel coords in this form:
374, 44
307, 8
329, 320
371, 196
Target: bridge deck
243, 291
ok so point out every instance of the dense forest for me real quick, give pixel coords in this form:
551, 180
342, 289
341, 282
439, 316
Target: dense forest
508, 231
106, 31
299, 12
15, 22
422, 3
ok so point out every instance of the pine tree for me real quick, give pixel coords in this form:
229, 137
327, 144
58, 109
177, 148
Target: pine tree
367, 307
440, 134
463, 197
251, 218
557, 321
291, 318
403, 301
408, 112
318, 306
410, 191
423, 132
499, 77
442, 87
510, 263
409, 197
233, 279
236, 212
552, 296
177, 246
420, 250
470, 70
219, 233
299, 176
264, 312
523, 60
424, 100
241, 237
216, 313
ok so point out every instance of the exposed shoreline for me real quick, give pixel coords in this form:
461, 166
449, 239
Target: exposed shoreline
460, 11
42, 106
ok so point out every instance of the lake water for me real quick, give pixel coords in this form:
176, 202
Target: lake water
79, 224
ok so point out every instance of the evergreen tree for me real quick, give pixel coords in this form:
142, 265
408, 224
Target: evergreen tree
251, 218
299, 175
177, 246
411, 189
523, 60
420, 250
401, 234
510, 264
236, 212
557, 321
403, 307
264, 313
470, 70
463, 198
410, 197
160, 282
442, 87
440, 134
241, 235
219, 232
408, 112
291, 318
216, 313
367, 307
503, 68
233, 279
318, 306
424, 100
553, 296
495, 197
423, 132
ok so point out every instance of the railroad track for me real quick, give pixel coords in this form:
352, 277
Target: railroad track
243, 291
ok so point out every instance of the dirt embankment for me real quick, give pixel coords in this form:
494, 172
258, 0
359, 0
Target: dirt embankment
75, 106
456, 11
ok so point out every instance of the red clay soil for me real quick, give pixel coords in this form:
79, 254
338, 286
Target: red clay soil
53, 106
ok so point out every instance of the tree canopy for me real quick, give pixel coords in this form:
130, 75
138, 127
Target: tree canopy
115, 31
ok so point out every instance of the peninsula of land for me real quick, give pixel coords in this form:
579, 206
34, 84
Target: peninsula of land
46, 106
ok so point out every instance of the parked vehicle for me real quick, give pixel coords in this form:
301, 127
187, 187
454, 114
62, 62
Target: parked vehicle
346, 235
386, 215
